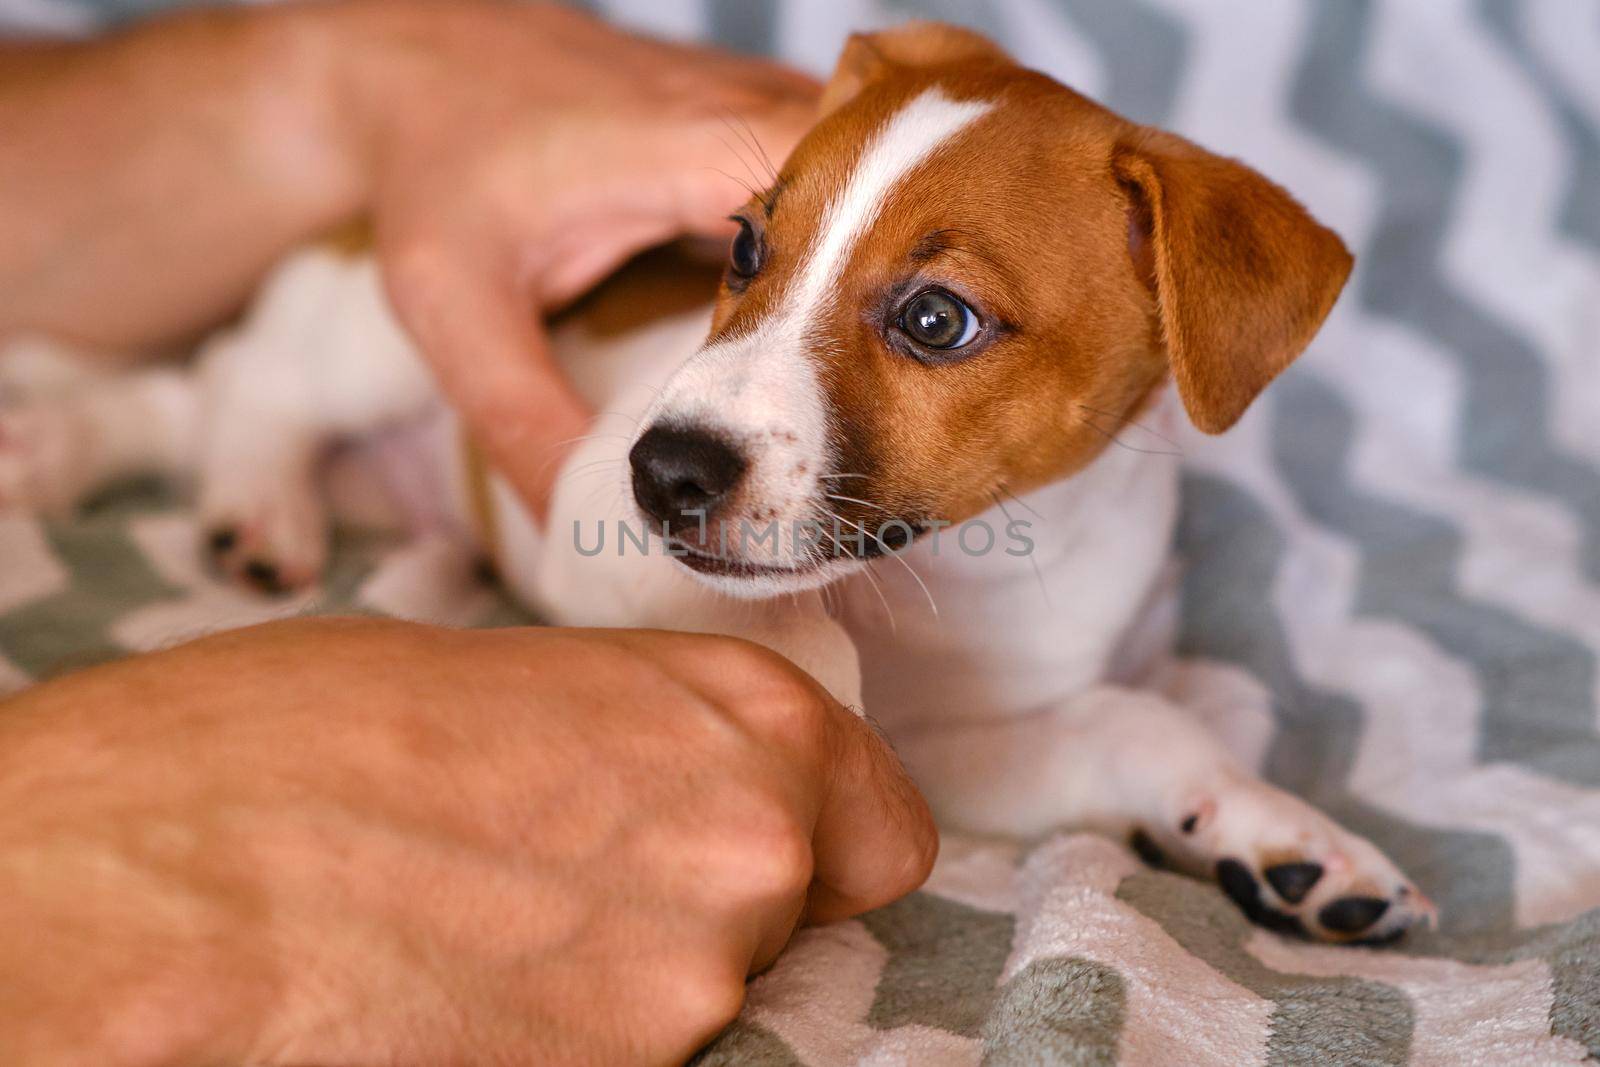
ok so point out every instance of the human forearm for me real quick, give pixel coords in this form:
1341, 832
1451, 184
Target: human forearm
149, 177
97, 880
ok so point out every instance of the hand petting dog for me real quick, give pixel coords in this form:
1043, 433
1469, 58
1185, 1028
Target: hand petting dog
509, 156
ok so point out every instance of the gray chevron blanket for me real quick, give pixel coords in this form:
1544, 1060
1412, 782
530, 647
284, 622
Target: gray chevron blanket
1387, 594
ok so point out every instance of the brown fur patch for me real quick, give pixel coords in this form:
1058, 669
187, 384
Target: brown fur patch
351, 239
1242, 275
654, 285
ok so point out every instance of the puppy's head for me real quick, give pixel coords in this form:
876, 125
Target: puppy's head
962, 277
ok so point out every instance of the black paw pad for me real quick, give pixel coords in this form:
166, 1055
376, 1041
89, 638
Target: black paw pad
222, 539
1293, 880
1350, 914
1147, 849
264, 576
1241, 886
1237, 881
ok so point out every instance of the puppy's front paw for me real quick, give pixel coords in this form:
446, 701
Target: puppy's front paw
1291, 868
273, 540
43, 458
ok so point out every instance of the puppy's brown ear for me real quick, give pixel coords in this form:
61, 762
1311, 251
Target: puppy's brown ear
868, 57
1242, 275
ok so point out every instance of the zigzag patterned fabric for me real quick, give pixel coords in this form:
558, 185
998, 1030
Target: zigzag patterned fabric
1389, 592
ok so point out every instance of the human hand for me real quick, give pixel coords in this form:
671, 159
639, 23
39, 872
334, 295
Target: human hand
519, 153
329, 841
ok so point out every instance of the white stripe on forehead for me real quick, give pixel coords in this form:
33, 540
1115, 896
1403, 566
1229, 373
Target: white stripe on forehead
910, 137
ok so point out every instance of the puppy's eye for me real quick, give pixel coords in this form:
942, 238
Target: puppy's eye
744, 259
936, 319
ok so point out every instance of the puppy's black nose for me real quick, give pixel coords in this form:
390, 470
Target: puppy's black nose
683, 470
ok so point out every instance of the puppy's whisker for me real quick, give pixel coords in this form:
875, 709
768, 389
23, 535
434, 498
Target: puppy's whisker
854, 500
618, 499
555, 453
609, 496
827, 602
877, 587
755, 179
634, 420
593, 467
1177, 449
1044, 590
595, 492
1127, 420
1123, 444
829, 599
591, 437
826, 477
615, 461
1022, 504
755, 142
932, 604
747, 136
738, 152
746, 186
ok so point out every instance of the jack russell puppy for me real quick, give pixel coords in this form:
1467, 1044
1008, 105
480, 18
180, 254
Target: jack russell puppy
963, 283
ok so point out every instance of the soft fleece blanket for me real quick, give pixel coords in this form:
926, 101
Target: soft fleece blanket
1387, 592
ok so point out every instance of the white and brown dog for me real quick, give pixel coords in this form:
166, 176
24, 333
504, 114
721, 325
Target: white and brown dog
964, 279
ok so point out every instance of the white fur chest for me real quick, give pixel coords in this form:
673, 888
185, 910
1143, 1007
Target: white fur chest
1013, 633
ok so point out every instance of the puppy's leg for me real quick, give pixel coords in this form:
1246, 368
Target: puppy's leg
319, 358
261, 512
35, 368
58, 447
1132, 765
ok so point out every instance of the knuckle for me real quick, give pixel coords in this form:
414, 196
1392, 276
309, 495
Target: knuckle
749, 658
778, 701
779, 863
766, 854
